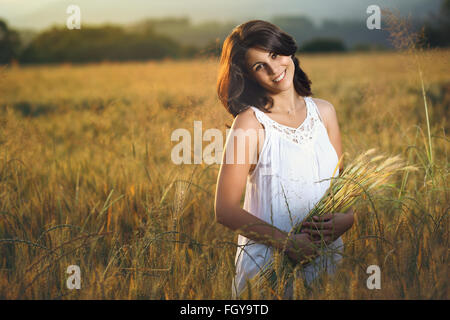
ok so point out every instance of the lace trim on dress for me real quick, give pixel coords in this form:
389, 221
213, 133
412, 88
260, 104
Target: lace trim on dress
300, 135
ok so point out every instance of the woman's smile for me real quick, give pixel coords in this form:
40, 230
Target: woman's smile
280, 77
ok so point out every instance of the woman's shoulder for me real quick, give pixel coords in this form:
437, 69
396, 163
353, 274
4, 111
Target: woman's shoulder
246, 119
326, 110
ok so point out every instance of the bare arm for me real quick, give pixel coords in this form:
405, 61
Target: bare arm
231, 185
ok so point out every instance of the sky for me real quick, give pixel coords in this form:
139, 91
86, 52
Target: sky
40, 14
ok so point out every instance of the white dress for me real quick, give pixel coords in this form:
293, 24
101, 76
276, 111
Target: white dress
284, 187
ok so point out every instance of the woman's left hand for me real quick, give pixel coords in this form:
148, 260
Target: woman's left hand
328, 227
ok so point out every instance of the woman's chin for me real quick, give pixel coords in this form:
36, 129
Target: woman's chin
282, 87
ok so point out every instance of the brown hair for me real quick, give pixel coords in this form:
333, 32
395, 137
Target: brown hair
235, 88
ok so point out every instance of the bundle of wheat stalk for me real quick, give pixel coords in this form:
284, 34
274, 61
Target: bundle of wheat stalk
364, 175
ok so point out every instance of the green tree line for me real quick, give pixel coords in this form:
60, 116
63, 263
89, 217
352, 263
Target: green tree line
174, 38
89, 44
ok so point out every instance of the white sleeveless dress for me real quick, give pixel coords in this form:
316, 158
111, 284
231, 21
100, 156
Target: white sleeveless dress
284, 187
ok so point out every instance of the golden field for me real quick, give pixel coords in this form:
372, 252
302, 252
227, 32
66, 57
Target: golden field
87, 179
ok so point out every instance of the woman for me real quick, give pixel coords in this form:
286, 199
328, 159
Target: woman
261, 84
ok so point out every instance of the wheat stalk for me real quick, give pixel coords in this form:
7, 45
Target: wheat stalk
368, 172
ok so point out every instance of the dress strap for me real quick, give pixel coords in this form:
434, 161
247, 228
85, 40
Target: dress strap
261, 117
311, 101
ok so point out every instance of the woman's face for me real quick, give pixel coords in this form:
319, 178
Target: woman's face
272, 71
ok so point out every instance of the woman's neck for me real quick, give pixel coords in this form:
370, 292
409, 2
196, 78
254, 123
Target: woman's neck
287, 102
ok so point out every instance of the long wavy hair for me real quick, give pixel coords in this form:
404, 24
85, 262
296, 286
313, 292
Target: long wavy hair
235, 88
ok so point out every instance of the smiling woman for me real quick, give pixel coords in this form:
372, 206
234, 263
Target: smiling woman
259, 74
254, 63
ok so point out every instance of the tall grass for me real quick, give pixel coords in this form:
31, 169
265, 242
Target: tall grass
361, 178
86, 179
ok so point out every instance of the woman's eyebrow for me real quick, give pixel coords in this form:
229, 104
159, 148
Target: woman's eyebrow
259, 61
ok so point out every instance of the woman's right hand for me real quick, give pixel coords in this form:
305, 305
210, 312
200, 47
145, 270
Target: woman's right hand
301, 248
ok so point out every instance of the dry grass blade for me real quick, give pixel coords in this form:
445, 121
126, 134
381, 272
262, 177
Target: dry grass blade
361, 175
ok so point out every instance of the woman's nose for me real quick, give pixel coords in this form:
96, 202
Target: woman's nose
272, 67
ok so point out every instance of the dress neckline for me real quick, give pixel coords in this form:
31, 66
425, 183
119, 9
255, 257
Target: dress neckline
289, 127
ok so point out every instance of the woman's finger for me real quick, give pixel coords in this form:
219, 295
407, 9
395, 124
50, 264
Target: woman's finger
326, 238
320, 233
324, 217
317, 225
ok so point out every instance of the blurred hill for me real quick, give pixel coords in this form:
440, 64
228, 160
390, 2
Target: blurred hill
43, 14
180, 37
302, 28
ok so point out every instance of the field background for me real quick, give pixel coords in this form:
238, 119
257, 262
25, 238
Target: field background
86, 179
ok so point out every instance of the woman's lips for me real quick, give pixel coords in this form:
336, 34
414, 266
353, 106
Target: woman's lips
282, 75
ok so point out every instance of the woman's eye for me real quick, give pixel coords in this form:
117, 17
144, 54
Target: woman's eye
258, 67
274, 54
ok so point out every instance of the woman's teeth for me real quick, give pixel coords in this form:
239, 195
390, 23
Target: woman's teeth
281, 77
